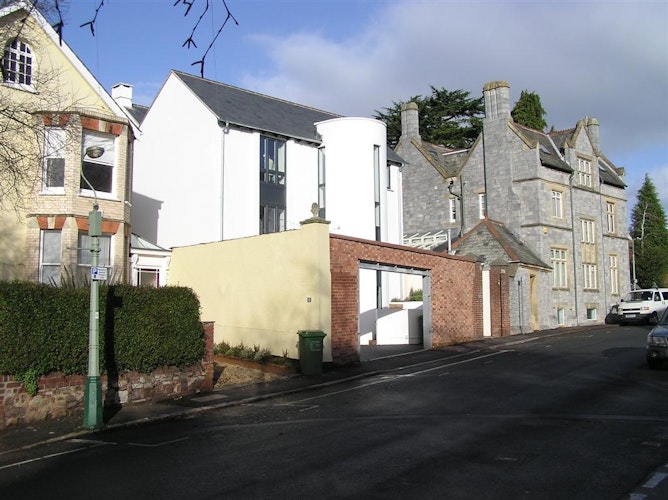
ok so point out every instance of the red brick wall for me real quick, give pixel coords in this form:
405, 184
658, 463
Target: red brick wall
456, 292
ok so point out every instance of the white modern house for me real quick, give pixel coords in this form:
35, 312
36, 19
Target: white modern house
217, 162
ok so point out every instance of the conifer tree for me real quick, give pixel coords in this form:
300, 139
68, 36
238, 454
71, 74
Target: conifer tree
528, 111
650, 237
450, 118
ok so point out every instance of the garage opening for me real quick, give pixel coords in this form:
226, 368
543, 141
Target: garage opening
389, 322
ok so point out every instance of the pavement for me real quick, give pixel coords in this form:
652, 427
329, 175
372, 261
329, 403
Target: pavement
376, 360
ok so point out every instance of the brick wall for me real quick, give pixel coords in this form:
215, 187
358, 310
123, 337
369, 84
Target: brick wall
61, 395
456, 292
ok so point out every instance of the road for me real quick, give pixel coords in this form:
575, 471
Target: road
575, 416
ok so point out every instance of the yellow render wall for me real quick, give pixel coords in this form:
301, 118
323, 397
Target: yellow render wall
262, 290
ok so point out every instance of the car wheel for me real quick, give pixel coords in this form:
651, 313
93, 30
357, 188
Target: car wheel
653, 363
653, 319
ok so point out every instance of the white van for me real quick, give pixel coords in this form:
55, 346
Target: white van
645, 305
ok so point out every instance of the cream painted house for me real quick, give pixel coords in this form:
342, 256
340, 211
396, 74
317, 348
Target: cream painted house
63, 111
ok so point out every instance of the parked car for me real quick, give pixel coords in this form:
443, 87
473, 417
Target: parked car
657, 343
644, 306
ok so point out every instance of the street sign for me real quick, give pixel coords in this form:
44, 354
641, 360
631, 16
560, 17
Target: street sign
98, 273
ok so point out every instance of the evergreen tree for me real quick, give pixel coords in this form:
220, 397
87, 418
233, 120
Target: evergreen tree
650, 236
449, 118
528, 111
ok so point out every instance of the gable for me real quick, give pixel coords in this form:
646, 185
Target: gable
246, 109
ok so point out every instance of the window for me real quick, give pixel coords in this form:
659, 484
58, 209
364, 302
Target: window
49, 257
388, 172
148, 277
272, 184
272, 161
561, 317
376, 190
272, 219
558, 261
589, 260
98, 173
17, 63
613, 261
591, 313
482, 206
557, 205
610, 212
321, 183
453, 209
584, 172
84, 255
54, 160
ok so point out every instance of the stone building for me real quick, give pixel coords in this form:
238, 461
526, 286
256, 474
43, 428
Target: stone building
556, 193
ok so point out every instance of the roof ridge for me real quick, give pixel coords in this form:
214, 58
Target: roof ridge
252, 92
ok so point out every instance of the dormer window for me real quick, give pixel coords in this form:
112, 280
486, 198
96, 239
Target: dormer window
17, 63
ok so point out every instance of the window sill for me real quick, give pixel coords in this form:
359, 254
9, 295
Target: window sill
52, 192
86, 193
20, 86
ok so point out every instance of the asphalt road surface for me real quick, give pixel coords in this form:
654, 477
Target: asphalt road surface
577, 416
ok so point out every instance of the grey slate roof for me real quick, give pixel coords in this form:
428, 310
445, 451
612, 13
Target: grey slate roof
247, 109
137, 112
492, 242
548, 151
608, 172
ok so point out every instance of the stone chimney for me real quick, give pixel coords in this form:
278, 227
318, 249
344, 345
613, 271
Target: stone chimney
410, 122
592, 130
122, 94
497, 100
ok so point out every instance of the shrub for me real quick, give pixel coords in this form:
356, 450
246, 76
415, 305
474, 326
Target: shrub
45, 328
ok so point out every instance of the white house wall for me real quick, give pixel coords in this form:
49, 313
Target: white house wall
177, 166
349, 178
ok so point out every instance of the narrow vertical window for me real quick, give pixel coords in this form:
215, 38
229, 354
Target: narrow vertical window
50, 257
453, 210
53, 178
613, 261
557, 205
376, 188
482, 206
321, 184
589, 257
272, 184
610, 214
559, 267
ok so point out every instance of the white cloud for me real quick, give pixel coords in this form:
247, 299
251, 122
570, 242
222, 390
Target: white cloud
603, 59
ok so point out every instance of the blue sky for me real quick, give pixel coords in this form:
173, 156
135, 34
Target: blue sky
602, 59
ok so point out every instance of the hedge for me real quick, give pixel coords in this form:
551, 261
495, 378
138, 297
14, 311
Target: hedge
45, 329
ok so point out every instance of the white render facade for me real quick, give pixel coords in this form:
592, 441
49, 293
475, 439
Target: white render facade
217, 163
197, 175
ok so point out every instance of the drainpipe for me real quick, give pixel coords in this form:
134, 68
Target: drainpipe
604, 265
575, 267
225, 127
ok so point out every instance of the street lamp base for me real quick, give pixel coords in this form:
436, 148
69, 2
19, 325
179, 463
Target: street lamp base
93, 403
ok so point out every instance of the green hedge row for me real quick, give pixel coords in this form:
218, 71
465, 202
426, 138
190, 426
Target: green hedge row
45, 329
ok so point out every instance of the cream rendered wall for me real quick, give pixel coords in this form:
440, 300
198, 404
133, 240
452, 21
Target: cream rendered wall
262, 290
178, 164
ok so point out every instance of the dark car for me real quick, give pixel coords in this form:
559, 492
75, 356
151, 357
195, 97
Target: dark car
657, 343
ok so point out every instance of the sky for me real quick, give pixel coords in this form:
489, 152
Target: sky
606, 59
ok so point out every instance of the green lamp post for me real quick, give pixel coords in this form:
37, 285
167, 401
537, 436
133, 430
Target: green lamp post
93, 389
